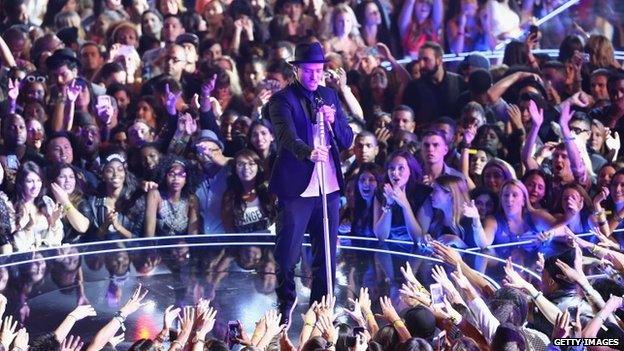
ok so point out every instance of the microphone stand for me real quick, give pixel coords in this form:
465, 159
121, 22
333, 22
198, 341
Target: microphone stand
326, 236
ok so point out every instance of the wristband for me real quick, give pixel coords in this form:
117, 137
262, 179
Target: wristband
177, 342
370, 316
308, 324
120, 315
539, 293
567, 139
594, 249
398, 323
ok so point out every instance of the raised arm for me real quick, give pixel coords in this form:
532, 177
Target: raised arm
77, 314
537, 118
576, 161
108, 331
406, 17
497, 90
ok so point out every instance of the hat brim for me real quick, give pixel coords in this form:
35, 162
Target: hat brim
298, 62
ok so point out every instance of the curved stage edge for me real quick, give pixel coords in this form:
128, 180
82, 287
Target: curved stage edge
235, 271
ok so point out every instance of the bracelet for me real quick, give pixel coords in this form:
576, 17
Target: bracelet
539, 293
567, 139
309, 324
386, 208
177, 342
198, 340
370, 316
118, 314
594, 249
121, 322
68, 207
398, 323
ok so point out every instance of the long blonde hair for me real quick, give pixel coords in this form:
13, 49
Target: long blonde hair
330, 20
525, 193
601, 52
458, 189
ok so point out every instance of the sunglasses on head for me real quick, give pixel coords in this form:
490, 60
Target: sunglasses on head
32, 79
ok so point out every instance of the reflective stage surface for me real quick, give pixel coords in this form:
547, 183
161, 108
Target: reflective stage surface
235, 271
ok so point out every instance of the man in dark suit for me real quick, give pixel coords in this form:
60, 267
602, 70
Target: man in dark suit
296, 173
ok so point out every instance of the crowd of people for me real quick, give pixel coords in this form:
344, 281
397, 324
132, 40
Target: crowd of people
125, 119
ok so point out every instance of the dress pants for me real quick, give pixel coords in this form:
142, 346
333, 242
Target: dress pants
295, 215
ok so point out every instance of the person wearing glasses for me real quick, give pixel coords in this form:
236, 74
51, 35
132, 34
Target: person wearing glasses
247, 205
172, 208
581, 128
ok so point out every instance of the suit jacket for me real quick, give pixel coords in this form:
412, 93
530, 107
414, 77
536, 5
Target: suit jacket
289, 110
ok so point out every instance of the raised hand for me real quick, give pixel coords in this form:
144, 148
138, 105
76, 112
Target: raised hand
408, 274
170, 316
612, 142
388, 312
72, 91
72, 343
384, 51
439, 275
446, 253
135, 302
208, 87
537, 114
400, 197
469, 134
3, 304
460, 279
515, 116
272, 319
356, 314
413, 295
361, 342
602, 195
388, 194
21, 340
82, 312
171, 100
8, 332
60, 195
564, 118
327, 329
13, 91
513, 279
470, 210
207, 321
187, 125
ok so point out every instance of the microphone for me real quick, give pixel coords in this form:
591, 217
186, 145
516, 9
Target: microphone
318, 103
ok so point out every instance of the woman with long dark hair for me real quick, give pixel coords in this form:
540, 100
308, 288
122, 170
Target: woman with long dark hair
260, 139
247, 205
68, 185
108, 211
37, 217
172, 208
369, 177
395, 213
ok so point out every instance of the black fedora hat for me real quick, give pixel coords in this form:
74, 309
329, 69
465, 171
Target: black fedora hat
309, 53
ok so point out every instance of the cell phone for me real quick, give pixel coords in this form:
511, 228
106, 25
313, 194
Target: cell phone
533, 29
126, 50
358, 330
104, 101
437, 294
438, 340
232, 333
12, 162
585, 57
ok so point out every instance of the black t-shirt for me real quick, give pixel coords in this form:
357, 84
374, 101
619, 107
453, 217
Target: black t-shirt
431, 101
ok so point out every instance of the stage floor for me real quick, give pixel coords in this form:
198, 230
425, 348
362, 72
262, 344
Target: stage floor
235, 271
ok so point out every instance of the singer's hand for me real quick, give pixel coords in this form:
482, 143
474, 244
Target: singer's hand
320, 154
329, 113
